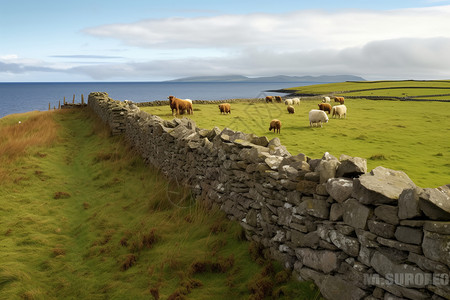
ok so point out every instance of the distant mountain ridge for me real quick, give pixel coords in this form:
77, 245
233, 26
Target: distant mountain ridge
279, 78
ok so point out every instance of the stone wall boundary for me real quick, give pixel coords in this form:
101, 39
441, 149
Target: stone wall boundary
356, 234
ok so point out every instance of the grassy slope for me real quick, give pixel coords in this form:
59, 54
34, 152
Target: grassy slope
81, 217
410, 88
407, 136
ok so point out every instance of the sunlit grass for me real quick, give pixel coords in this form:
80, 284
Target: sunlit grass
83, 217
406, 135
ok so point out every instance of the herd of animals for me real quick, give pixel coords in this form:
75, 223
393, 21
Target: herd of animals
316, 116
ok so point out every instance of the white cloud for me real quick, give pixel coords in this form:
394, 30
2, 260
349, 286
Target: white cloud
300, 30
397, 58
9, 57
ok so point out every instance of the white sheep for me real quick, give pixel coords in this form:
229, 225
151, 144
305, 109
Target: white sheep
296, 101
326, 99
317, 116
339, 110
288, 101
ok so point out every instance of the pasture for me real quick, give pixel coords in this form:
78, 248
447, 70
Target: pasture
411, 89
407, 136
83, 217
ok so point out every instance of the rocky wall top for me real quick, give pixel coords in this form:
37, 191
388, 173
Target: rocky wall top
356, 234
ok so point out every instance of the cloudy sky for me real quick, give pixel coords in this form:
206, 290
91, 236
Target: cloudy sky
146, 40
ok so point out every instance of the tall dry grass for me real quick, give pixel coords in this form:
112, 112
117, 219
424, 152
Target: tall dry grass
16, 138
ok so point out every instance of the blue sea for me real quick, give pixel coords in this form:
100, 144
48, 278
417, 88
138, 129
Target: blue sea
24, 97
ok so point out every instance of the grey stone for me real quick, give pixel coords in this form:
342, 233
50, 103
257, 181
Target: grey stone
408, 204
382, 229
327, 169
328, 156
381, 186
333, 287
251, 218
366, 238
427, 264
384, 266
273, 161
345, 229
409, 235
260, 141
351, 166
319, 260
313, 176
399, 246
438, 227
310, 274
387, 213
355, 214
339, 188
316, 208
347, 244
306, 187
336, 212
435, 203
284, 216
436, 247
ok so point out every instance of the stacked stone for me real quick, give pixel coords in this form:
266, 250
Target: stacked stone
357, 235
110, 111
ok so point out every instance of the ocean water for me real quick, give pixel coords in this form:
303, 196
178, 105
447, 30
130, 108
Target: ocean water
24, 97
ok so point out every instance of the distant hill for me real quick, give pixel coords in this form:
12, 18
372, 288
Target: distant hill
279, 78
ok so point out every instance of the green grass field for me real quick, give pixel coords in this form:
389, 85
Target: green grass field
400, 135
437, 89
82, 217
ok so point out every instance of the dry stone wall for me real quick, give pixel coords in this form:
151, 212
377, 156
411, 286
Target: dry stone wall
356, 234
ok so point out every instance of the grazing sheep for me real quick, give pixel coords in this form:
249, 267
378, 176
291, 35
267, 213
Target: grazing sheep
317, 116
339, 110
326, 99
325, 107
225, 108
291, 109
296, 101
180, 105
275, 125
278, 99
269, 99
339, 99
288, 102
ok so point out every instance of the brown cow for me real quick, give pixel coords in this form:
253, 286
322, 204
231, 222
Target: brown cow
269, 99
325, 107
225, 108
339, 99
180, 105
278, 99
275, 125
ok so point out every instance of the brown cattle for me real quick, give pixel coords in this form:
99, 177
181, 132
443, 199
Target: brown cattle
269, 99
339, 99
278, 99
180, 105
275, 125
325, 107
225, 108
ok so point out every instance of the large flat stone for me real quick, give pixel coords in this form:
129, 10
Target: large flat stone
340, 189
336, 288
436, 247
381, 186
355, 214
320, 260
435, 203
351, 166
